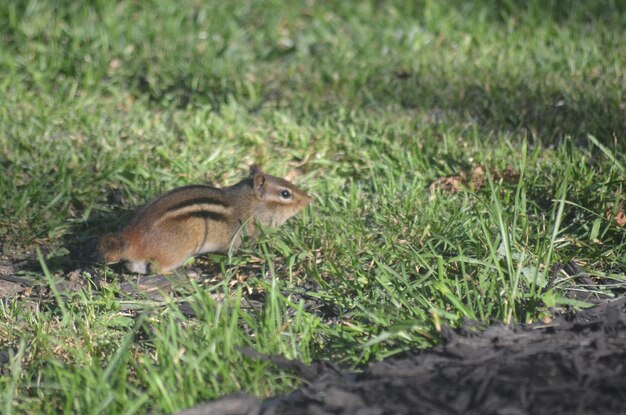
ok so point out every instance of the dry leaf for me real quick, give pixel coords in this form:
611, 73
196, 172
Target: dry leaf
620, 218
291, 175
451, 184
476, 179
620, 215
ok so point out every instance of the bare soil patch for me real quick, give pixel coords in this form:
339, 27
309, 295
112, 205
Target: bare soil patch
574, 364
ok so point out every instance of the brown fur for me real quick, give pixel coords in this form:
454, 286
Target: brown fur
111, 247
193, 220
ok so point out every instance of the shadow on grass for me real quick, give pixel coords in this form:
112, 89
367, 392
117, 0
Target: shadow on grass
546, 116
81, 239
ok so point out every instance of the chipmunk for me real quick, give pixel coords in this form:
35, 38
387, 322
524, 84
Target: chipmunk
198, 219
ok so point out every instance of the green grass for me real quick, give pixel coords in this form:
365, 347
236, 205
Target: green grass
371, 102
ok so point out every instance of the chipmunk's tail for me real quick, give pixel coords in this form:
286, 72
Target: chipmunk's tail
111, 248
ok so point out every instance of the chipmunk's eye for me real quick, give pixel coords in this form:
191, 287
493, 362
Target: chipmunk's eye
285, 194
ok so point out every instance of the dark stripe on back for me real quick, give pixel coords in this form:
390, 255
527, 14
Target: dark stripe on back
190, 187
198, 201
204, 214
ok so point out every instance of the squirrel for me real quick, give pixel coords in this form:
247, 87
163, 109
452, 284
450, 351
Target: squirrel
198, 219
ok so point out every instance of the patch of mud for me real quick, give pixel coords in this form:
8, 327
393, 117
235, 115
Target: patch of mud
575, 364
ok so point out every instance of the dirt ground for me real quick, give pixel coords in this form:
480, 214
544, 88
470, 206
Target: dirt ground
575, 364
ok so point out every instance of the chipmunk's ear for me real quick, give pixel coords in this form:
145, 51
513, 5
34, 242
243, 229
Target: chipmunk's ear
260, 183
254, 170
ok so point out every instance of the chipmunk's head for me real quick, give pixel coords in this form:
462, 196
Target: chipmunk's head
280, 198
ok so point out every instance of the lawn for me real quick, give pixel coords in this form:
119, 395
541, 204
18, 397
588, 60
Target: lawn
467, 160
